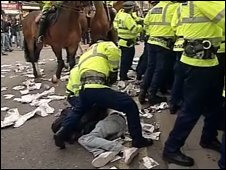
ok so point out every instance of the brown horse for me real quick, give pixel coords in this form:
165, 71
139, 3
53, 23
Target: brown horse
100, 24
64, 33
118, 5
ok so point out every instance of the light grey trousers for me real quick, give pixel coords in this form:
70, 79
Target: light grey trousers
101, 138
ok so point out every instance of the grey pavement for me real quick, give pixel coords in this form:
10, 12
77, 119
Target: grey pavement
31, 146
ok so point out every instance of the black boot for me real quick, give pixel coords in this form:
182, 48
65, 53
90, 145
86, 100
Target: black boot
178, 158
154, 99
142, 96
59, 138
214, 145
173, 108
142, 143
42, 28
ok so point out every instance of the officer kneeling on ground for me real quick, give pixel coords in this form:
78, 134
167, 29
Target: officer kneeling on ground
98, 68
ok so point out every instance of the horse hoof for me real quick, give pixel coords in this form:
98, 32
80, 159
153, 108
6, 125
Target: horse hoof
54, 79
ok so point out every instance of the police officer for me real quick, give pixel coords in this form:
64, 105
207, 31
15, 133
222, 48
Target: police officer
160, 45
202, 22
49, 6
177, 88
98, 68
142, 64
127, 30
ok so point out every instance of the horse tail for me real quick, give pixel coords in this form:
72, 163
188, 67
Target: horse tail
29, 57
26, 52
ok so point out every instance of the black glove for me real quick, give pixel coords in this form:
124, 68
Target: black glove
112, 78
141, 22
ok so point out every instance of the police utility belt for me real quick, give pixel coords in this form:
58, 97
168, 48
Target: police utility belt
169, 42
93, 77
129, 41
199, 49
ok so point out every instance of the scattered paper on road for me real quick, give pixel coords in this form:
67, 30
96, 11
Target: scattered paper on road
153, 136
8, 96
3, 109
55, 97
149, 162
23, 92
10, 118
18, 88
4, 88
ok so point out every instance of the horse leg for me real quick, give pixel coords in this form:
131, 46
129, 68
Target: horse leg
67, 60
37, 51
60, 64
72, 52
30, 56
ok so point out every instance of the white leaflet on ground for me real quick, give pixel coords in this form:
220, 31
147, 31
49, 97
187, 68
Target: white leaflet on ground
8, 96
21, 69
10, 118
23, 119
121, 85
30, 97
51, 59
5, 70
55, 97
148, 127
39, 102
153, 136
161, 106
64, 78
3, 109
2, 76
149, 162
18, 88
4, 88
13, 76
27, 98
6, 65
127, 139
113, 167
43, 110
23, 92
30, 75
58, 113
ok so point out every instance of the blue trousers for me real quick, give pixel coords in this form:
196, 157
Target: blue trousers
108, 98
142, 64
159, 59
200, 94
221, 162
151, 62
126, 61
177, 88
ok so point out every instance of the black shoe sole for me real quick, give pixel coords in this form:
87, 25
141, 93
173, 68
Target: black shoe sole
59, 142
177, 162
211, 148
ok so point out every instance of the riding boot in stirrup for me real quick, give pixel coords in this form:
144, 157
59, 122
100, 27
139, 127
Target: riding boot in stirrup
41, 30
